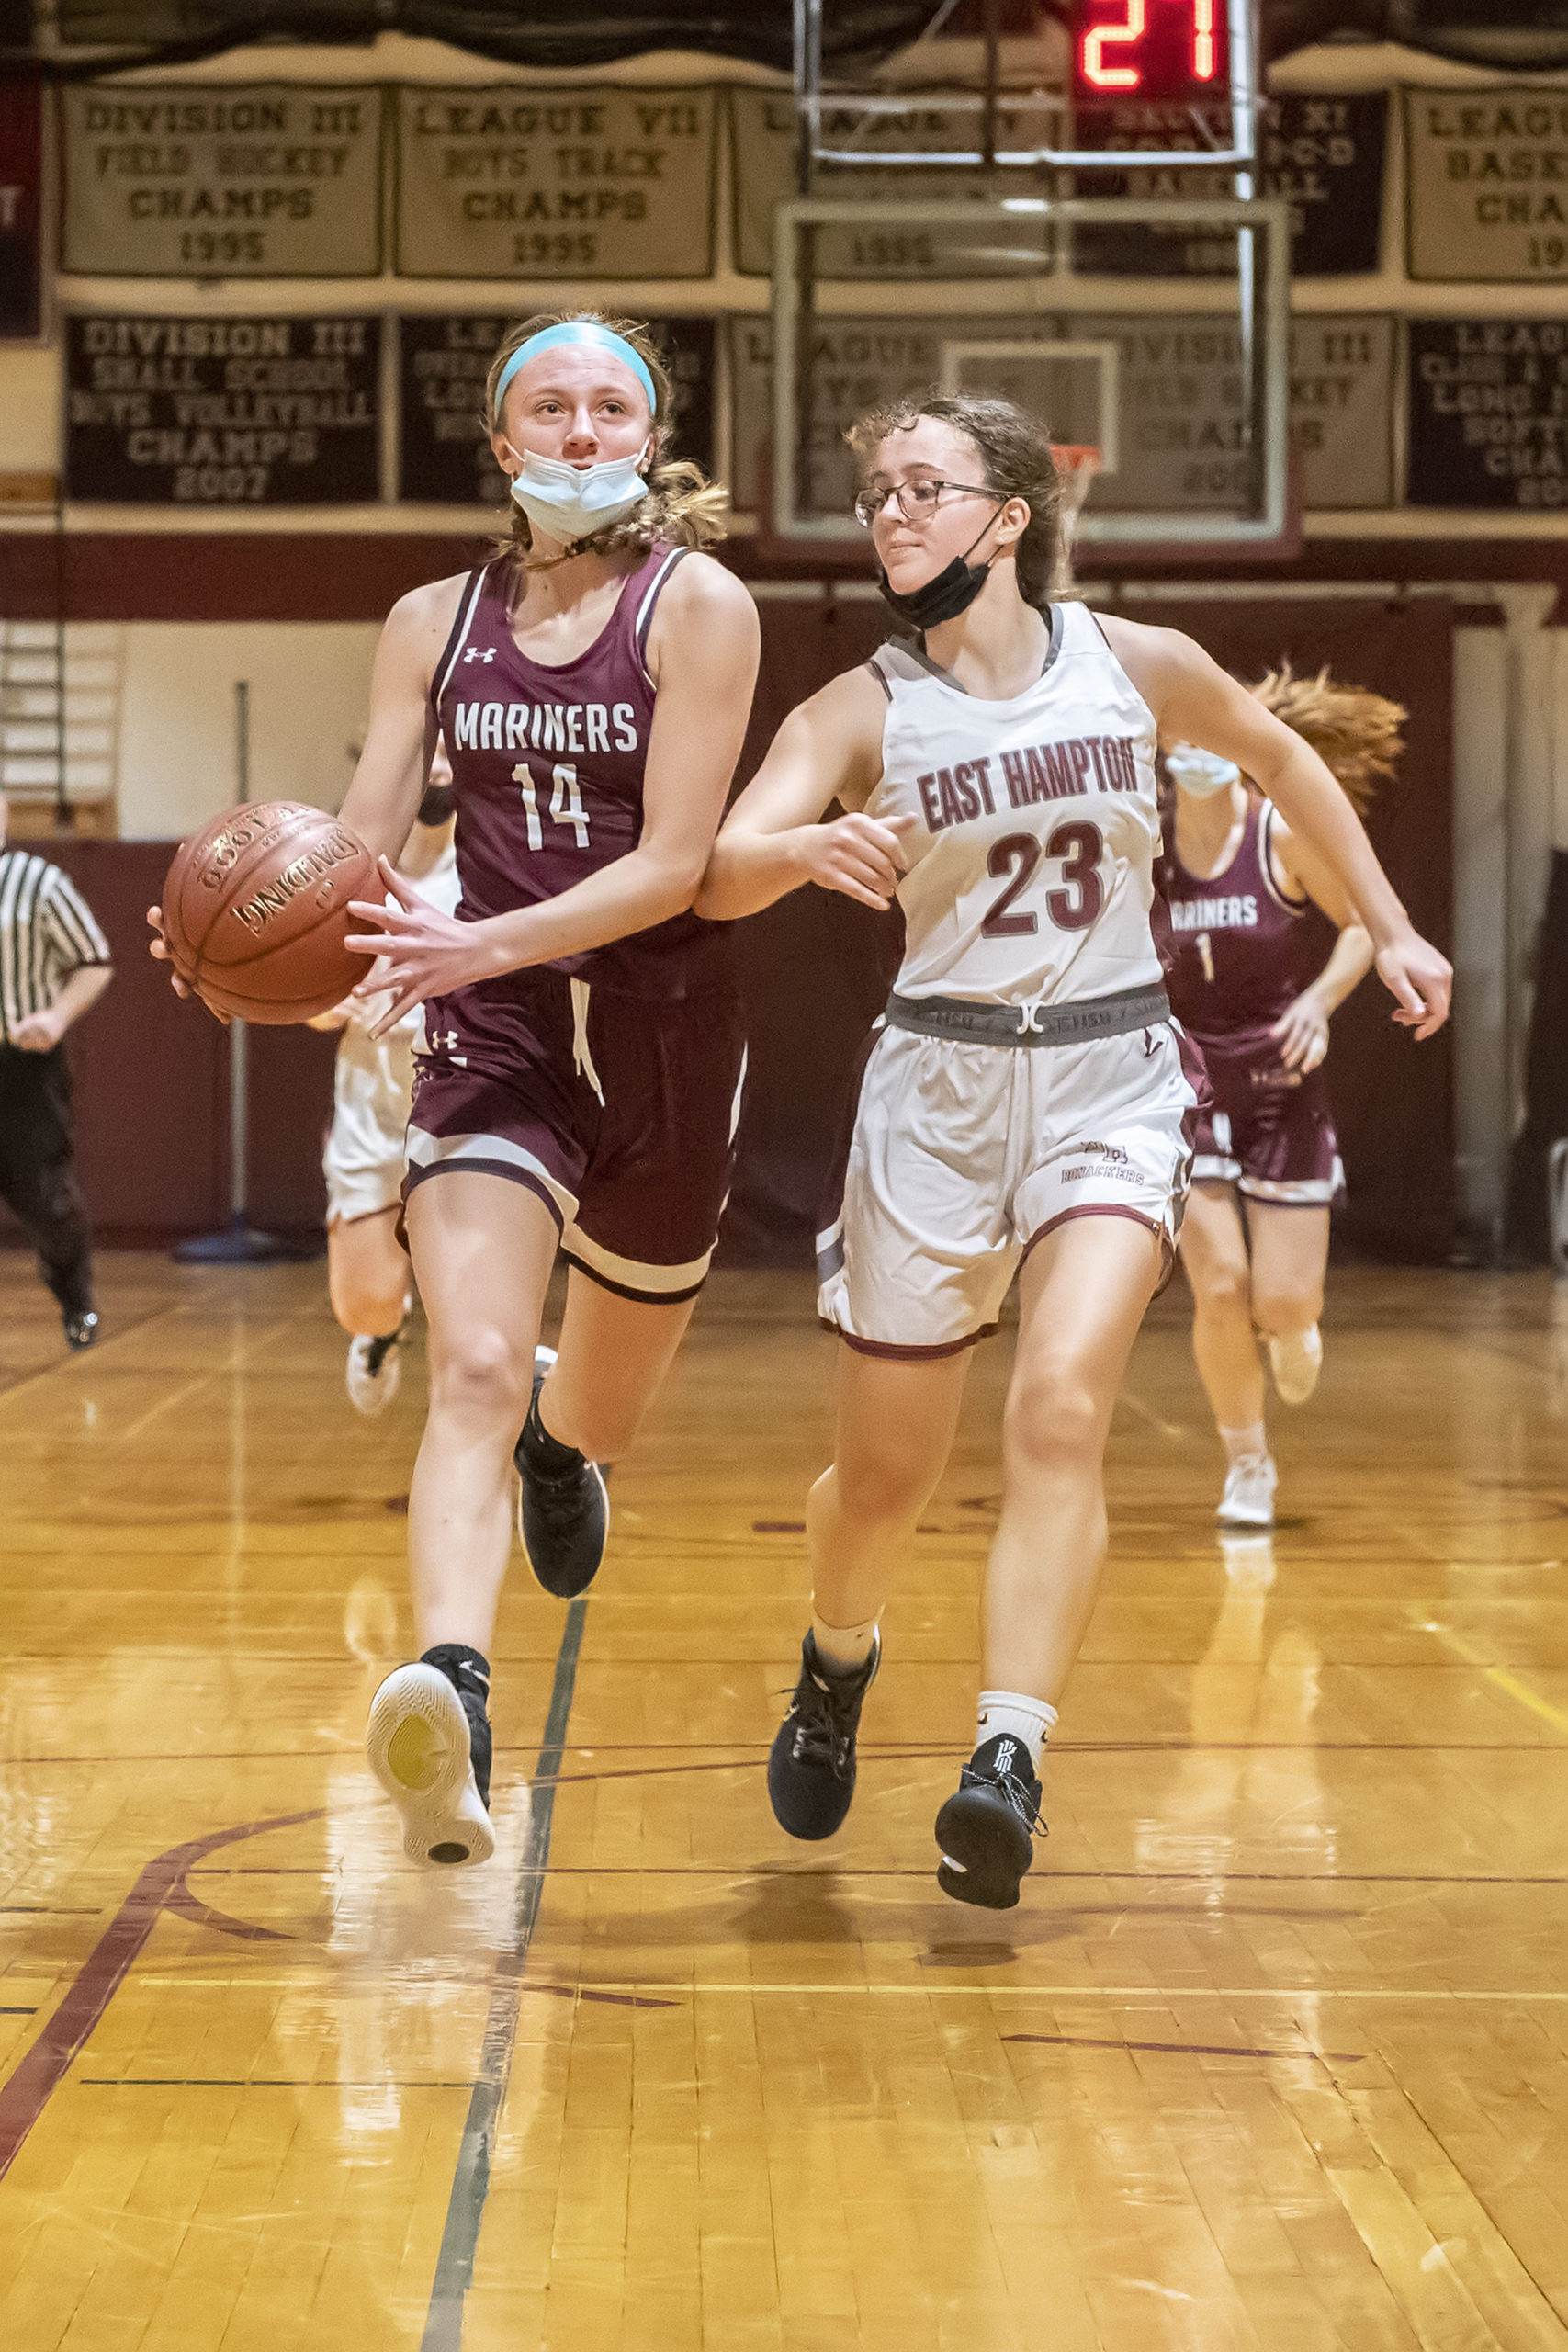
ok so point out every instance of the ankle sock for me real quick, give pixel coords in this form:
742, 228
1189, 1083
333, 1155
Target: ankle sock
1238, 1443
468, 1670
1029, 1721
844, 1648
547, 1454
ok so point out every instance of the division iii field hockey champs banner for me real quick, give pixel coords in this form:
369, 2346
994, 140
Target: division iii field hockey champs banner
278, 180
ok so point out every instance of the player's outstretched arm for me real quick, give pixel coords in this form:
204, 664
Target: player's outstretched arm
1303, 1029
1194, 701
399, 735
829, 749
400, 739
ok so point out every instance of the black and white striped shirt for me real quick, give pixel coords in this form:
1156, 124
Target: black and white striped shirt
47, 932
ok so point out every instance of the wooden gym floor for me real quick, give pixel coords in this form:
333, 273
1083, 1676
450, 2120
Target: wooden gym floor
1274, 2054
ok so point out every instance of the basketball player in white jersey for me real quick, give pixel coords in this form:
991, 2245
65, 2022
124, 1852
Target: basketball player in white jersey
368, 1278
1023, 1108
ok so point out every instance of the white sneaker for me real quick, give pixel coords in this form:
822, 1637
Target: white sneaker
374, 1369
1295, 1364
1248, 1499
417, 1741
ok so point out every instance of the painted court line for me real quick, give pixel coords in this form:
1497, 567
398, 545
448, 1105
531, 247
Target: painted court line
43, 2067
470, 2182
1498, 1675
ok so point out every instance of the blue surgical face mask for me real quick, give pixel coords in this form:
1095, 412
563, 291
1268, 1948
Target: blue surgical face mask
1200, 773
569, 503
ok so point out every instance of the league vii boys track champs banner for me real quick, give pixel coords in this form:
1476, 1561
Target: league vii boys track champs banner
273, 180
573, 184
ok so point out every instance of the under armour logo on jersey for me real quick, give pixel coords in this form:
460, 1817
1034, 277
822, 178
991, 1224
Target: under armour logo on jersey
1027, 1022
448, 1042
474, 654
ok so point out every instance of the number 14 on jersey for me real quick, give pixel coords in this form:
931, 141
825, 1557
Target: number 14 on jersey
566, 802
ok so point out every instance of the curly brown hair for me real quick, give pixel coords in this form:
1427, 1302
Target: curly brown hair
683, 507
1014, 450
1354, 732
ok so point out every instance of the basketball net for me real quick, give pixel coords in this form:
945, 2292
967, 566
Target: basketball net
1077, 463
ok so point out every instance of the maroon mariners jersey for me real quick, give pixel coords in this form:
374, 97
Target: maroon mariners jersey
1235, 951
547, 761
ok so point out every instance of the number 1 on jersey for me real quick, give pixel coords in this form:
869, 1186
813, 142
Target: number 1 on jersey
1205, 957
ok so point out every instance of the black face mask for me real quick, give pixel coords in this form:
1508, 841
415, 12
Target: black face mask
438, 805
951, 591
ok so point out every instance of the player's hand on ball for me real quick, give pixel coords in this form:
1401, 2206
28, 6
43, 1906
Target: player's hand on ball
157, 948
1302, 1032
1422, 980
859, 856
418, 951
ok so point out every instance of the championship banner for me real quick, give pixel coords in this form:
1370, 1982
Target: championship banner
1180, 423
445, 457
1323, 154
519, 181
200, 412
764, 136
1488, 184
1489, 413
21, 210
274, 179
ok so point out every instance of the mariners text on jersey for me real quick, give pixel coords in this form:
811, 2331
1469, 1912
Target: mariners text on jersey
544, 727
1236, 911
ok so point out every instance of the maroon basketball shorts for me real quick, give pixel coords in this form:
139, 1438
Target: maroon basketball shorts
1269, 1131
618, 1112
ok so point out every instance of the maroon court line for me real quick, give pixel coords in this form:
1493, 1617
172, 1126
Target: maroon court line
1185, 2049
160, 1887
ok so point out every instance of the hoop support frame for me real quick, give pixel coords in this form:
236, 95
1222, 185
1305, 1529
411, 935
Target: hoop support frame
1263, 308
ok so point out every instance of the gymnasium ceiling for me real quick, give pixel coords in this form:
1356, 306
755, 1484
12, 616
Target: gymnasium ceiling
77, 35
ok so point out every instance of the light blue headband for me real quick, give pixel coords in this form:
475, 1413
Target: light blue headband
577, 331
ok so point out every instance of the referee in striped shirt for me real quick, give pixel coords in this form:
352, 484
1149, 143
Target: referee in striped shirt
54, 963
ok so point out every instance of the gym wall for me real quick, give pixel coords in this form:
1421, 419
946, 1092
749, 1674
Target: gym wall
176, 599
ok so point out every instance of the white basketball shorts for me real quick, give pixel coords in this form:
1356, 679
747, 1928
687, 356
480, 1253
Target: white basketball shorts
363, 1158
964, 1156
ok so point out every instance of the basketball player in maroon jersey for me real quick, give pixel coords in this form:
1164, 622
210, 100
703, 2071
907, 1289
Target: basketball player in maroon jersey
1246, 979
580, 1075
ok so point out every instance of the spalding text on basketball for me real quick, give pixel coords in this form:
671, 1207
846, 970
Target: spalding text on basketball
271, 900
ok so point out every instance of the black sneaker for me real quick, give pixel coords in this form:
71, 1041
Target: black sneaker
811, 1770
987, 1830
81, 1328
563, 1504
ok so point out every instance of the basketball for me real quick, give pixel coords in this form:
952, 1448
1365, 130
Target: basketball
255, 912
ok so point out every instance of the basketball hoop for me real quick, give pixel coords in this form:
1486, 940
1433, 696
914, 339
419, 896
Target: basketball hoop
1077, 463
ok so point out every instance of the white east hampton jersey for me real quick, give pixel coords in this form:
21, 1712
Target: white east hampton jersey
1037, 825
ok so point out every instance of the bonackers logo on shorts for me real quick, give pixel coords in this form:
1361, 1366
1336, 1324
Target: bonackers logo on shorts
1111, 1164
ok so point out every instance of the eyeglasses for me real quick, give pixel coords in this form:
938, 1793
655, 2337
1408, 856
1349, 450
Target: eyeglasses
917, 500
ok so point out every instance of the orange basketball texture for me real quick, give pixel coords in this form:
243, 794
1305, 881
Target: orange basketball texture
255, 912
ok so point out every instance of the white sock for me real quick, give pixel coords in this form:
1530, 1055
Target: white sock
1240, 1442
1031, 1721
843, 1647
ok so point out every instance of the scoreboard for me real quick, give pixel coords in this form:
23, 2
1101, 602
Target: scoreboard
1159, 50
1139, 67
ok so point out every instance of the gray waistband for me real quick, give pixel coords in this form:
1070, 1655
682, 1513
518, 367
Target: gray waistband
1029, 1024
